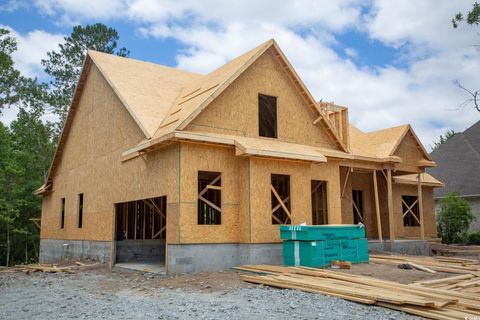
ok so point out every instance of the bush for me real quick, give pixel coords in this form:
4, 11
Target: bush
474, 238
454, 218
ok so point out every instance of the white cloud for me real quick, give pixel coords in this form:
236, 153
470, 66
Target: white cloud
32, 48
423, 93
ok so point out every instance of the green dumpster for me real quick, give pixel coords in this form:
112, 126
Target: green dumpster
323, 244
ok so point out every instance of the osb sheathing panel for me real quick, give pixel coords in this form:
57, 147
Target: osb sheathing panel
410, 153
301, 174
400, 190
91, 164
235, 111
197, 157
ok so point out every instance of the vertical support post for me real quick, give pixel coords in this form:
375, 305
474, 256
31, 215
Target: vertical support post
420, 206
391, 222
377, 206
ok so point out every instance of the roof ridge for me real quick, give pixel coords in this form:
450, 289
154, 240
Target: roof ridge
143, 61
470, 145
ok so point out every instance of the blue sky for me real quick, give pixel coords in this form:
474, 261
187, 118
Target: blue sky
389, 62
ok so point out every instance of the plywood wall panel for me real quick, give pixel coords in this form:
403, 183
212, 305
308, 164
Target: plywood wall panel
91, 164
235, 111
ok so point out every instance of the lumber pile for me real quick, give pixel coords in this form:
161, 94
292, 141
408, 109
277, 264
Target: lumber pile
49, 268
418, 299
431, 264
450, 249
465, 283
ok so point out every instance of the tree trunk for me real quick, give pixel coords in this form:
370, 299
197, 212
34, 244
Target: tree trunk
26, 252
8, 244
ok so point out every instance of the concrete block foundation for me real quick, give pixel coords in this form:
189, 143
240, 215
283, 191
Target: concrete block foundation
54, 250
183, 258
410, 247
140, 250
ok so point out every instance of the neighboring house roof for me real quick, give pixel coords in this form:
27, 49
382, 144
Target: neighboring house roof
458, 163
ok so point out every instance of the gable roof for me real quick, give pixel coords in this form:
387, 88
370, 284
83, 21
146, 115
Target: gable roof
147, 90
199, 94
383, 143
163, 101
458, 163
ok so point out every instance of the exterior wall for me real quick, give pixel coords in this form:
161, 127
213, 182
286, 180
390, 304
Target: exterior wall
474, 205
197, 157
301, 174
91, 164
400, 190
246, 195
235, 111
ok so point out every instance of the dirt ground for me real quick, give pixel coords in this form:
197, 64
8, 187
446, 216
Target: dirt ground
102, 293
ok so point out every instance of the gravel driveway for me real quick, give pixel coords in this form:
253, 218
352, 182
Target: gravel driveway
100, 294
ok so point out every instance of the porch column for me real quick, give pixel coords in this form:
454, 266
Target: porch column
420, 206
377, 206
391, 223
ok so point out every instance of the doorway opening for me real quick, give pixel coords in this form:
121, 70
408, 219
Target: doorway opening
319, 202
141, 227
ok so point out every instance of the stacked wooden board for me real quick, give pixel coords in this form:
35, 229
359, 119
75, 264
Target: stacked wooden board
417, 299
465, 283
437, 264
49, 268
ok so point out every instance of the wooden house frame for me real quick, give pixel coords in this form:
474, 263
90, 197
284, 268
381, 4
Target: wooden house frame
171, 165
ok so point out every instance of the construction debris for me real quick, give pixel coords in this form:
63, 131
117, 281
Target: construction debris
431, 264
421, 298
50, 268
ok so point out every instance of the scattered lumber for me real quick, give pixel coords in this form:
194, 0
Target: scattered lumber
438, 264
449, 249
420, 298
49, 268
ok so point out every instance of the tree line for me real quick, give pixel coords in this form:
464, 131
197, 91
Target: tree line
28, 143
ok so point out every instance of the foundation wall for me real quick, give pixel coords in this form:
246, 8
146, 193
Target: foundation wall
54, 250
184, 258
140, 250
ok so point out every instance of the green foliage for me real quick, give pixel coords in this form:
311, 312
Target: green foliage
8, 74
443, 138
28, 144
473, 16
64, 65
454, 218
474, 238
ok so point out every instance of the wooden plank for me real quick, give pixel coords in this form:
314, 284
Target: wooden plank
391, 222
377, 206
281, 202
422, 268
420, 207
211, 204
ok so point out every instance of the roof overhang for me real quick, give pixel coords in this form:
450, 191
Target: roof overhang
412, 179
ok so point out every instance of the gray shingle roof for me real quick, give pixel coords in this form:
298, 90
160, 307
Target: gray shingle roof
458, 163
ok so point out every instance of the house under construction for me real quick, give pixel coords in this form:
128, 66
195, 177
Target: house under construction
199, 171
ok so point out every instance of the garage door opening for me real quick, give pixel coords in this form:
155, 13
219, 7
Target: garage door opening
141, 228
